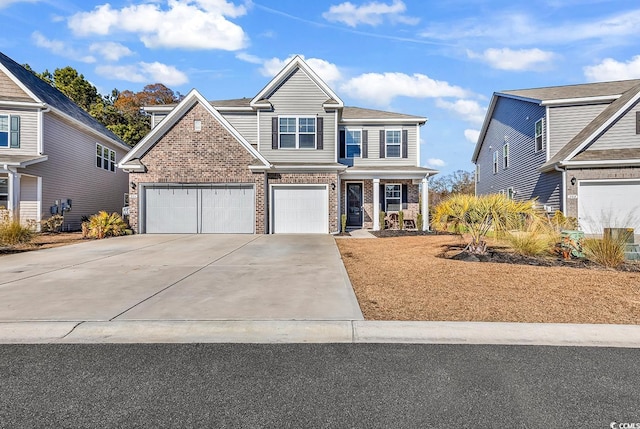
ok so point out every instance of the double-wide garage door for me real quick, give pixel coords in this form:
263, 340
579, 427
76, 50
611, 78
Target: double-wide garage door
609, 204
299, 209
206, 209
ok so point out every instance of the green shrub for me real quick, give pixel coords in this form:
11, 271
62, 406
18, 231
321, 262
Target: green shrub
343, 222
103, 225
400, 219
607, 251
419, 221
53, 224
12, 233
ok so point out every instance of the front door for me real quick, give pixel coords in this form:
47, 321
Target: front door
354, 204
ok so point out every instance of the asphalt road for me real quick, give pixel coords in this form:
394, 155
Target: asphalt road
317, 385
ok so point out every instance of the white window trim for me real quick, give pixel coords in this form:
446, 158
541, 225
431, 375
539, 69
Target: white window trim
10, 131
298, 133
495, 162
110, 163
505, 156
386, 200
536, 135
346, 145
511, 193
386, 143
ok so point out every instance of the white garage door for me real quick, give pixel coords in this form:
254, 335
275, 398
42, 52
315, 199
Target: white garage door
300, 209
202, 209
610, 204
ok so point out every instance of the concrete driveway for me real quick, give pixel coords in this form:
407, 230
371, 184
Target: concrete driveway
180, 278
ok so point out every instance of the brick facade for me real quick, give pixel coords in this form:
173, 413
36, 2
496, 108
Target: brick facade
211, 155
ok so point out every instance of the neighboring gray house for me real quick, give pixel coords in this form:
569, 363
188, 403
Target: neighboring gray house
52, 150
291, 159
575, 148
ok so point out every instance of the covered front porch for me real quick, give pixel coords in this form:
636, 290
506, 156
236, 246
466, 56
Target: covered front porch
367, 194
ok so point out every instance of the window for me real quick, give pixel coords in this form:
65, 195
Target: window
4, 192
505, 156
9, 131
297, 133
353, 139
105, 158
539, 135
511, 193
393, 198
495, 162
393, 139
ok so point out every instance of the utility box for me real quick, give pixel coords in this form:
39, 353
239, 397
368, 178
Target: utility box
572, 240
624, 235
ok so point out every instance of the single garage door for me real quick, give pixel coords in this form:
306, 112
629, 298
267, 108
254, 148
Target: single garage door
206, 209
610, 204
300, 209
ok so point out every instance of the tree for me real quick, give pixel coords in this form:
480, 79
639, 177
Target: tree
458, 182
477, 215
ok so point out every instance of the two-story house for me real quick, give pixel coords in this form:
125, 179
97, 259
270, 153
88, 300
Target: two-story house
575, 148
53, 151
292, 159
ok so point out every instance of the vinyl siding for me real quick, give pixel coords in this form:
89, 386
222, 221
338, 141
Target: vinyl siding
71, 172
515, 120
567, 121
28, 198
8, 88
246, 124
622, 135
156, 118
374, 146
28, 132
298, 96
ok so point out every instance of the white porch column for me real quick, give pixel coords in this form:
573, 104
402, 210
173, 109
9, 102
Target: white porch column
376, 204
425, 204
14, 194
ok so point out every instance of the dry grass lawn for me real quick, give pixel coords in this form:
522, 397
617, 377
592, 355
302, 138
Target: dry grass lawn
44, 241
404, 279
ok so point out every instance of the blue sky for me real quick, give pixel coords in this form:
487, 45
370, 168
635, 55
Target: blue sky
438, 59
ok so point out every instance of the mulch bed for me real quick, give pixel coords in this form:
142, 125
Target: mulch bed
44, 241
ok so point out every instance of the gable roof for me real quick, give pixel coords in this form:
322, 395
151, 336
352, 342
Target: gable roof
132, 160
595, 128
43, 93
296, 63
568, 94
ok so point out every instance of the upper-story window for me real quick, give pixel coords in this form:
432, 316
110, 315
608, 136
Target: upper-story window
495, 162
105, 158
505, 155
9, 131
539, 135
393, 139
353, 140
297, 132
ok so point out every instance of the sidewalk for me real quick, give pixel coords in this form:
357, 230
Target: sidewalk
348, 331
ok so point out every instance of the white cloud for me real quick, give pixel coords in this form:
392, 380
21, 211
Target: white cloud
381, 88
198, 24
518, 60
59, 47
373, 13
435, 162
7, 3
110, 51
468, 110
253, 59
328, 72
610, 69
472, 135
144, 73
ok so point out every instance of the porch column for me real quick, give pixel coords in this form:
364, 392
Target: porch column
425, 203
376, 204
14, 194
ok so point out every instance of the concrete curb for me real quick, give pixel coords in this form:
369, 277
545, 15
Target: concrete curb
348, 331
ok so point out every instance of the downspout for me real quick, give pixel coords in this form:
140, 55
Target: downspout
40, 142
266, 203
564, 188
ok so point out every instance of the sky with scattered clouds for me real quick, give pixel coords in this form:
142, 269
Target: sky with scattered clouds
441, 60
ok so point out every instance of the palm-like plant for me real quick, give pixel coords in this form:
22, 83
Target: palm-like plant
103, 225
477, 215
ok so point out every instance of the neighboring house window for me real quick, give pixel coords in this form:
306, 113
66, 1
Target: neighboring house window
510, 193
297, 133
393, 197
505, 156
105, 158
495, 162
354, 143
4, 192
539, 135
9, 131
393, 139
501, 192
